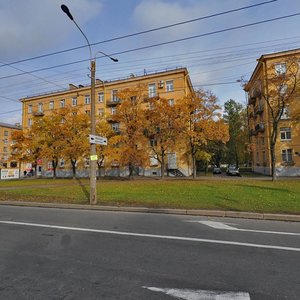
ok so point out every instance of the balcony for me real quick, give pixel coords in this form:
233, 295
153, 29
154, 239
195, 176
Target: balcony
113, 102
38, 113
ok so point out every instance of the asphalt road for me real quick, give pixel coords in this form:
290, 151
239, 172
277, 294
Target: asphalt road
73, 254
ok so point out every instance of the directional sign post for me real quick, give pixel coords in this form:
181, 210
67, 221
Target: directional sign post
99, 140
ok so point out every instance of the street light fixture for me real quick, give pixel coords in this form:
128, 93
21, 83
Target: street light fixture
93, 153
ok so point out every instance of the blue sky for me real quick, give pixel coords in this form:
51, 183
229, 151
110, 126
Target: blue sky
36, 27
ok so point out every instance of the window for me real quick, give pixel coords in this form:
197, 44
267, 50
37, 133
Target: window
51, 105
285, 133
13, 164
61, 163
114, 95
152, 90
29, 122
153, 161
287, 155
264, 156
153, 142
169, 85
262, 140
280, 69
101, 97
5, 149
5, 141
87, 99
29, 108
115, 127
74, 101
62, 103
40, 107
113, 111
101, 112
5, 132
283, 89
49, 165
171, 102
285, 113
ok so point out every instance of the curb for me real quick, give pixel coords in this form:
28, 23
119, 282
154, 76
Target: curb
190, 212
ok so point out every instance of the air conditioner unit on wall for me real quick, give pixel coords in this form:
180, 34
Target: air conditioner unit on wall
160, 84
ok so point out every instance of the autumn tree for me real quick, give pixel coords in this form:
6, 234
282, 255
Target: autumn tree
280, 92
105, 152
162, 127
130, 115
235, 115
74, 127
201, 117
26, 146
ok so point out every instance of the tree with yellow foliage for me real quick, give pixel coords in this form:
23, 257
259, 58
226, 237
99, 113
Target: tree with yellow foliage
131, 142
201, 122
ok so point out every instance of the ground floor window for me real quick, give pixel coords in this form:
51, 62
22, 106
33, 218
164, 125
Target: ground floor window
287, 155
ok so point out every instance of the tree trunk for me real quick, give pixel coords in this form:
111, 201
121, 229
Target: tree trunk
273, 161
162, 165
73, 162
194, 165
54, 165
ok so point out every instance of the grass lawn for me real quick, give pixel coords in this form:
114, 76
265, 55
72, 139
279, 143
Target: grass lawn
282, 196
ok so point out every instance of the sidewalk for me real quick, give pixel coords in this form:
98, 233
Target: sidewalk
191, 212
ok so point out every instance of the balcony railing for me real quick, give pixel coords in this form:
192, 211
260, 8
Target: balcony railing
38, 113
113, 102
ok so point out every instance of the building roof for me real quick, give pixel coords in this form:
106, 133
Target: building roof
131, 78
265, 57
6, 125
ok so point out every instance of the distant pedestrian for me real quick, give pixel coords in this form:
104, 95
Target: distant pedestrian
25, 173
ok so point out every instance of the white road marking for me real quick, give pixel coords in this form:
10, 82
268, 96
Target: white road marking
220, 225
157, 236
188, 294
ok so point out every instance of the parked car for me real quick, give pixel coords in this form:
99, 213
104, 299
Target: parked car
233, 171
217, 171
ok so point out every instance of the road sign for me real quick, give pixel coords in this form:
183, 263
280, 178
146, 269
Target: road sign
100, 140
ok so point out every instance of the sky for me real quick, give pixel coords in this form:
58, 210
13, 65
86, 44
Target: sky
217, 45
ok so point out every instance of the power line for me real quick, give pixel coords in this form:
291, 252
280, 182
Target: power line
142, 32
160, 44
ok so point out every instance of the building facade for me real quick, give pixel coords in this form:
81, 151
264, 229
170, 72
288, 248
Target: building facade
6, 161
273, 92
171, 84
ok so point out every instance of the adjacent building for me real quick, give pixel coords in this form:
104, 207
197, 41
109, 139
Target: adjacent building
6, 161
272, 77
171, 84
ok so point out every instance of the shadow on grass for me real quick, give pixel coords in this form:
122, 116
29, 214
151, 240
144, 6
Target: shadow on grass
265, 188
84, 190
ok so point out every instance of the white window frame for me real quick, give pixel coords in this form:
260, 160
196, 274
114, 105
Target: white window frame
51, 104
5, 132
30, 108
115, 127
62, 103
87, 99
171, 102
280, 69
285, 134
169, 85
287, 155
29, 122
152, 91
40, 107
114, 96
101, 112
113, 110
74, 101
285, 113
101, 97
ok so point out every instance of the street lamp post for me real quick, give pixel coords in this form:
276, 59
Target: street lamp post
93, 153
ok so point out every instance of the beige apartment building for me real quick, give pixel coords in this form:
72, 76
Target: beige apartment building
274, 76
171, 84
7, 164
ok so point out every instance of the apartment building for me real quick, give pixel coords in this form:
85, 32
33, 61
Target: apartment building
6, 162
171, 84
275, 84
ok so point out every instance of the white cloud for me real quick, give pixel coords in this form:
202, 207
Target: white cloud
32, 26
